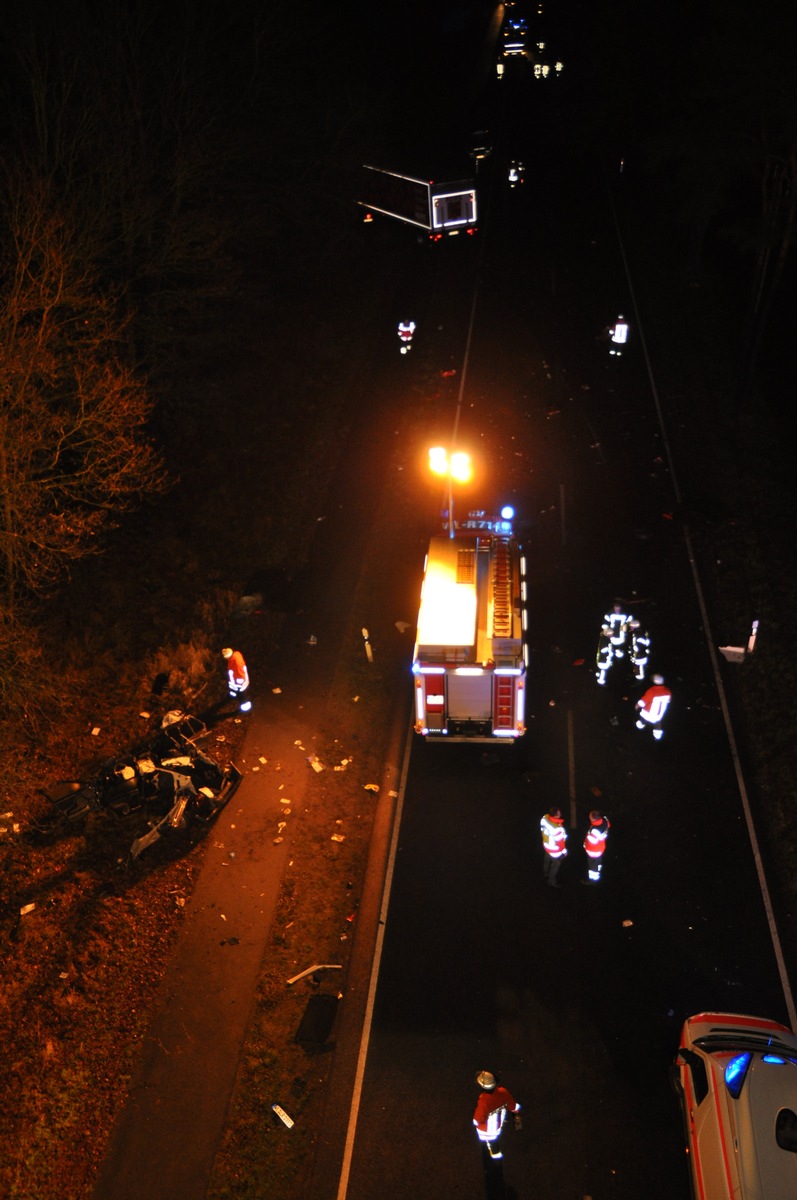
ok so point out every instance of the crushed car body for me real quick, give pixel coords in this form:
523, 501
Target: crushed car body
169, 779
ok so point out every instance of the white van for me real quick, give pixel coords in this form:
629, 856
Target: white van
736, 1077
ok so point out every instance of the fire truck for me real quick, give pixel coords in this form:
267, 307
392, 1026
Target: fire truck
471, 655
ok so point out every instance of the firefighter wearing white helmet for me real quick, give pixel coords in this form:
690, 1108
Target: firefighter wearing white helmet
491, 1108
653, 706
237, 678
613, 643
405, 331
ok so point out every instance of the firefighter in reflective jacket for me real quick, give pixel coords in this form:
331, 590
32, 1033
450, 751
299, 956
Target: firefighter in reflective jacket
237, 678
595, 844
405, 331
618, 335
653, 706
491, 1109
605, 654
612, 640
618, 621
640, 649
554, 843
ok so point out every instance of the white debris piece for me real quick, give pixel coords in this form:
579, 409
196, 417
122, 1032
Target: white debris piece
737, 654
313, 969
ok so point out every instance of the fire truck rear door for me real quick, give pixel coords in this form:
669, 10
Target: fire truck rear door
470, 697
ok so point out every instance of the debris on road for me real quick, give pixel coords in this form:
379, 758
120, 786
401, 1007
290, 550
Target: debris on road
316, 1024
369, 650
287, 1121
313, 969
737, 654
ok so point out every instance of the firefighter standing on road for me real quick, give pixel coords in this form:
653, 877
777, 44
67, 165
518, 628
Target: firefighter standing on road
613, 638
653, 706
237, 678
640, 649
554, 843
618, 335
618, 621
595, 844
491, 1109
405, 331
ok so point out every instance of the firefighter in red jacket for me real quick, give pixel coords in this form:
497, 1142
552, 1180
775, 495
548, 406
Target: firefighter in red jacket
595, 844
237, 678
554, 843
491, 1108
653, 706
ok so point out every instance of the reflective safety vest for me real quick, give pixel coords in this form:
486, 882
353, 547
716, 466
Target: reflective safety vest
620, 333
654, 704
490, 1114
618, 626
595, 841
237, 674
554, 835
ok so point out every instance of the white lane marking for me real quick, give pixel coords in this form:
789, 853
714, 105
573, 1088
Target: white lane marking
369, 1007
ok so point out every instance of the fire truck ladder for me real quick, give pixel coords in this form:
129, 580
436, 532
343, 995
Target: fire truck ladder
502, 589
502, 628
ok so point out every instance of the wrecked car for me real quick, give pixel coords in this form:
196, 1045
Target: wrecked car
169, 779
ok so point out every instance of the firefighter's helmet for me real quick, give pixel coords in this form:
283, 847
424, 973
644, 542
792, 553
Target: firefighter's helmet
487, 1081
227, 652
657, 679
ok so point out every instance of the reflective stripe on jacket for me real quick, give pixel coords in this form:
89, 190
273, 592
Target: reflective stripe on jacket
654, 703
237, 674
595, 841
554, 835
490, 1112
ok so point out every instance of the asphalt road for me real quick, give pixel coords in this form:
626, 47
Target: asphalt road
574, 996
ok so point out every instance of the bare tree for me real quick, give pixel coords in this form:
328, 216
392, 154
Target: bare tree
74, 452
126, 111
